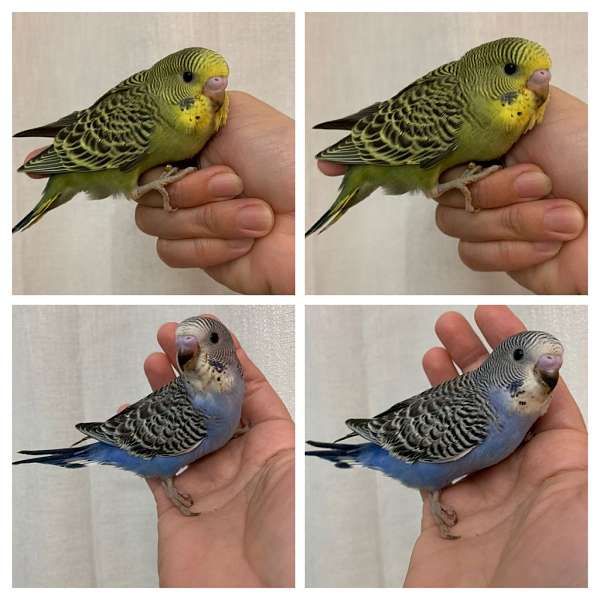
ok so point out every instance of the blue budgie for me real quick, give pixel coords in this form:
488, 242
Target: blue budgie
460, 426
190, 417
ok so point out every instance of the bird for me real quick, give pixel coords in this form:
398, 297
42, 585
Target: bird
468, 111
463, 425
162, 115
192, 416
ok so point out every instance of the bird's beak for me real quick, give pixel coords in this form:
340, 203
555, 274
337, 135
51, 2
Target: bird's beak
547, 368
539, 83
215, 88
187, 352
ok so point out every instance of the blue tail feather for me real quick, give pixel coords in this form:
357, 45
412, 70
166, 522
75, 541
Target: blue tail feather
61, 457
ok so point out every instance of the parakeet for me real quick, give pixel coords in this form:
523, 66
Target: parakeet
164, 114
460, 426
194, 415
471, 109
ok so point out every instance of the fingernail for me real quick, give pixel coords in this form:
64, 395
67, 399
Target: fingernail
533, 184
240, 244
225, 185
562, 219
254, 218
547, 247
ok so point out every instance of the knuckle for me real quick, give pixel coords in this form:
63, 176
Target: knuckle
512, 220
206, 219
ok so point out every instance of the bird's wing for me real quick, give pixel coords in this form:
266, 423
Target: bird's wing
114, 133
418, 126
164, 423
440, 425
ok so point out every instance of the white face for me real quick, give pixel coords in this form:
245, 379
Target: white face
206, 354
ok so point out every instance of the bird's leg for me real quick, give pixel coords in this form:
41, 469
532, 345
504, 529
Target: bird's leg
169, 175
444, 516
181, 500
242, 429
472, 174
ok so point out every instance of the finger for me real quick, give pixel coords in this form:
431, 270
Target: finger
331, 169
463, 344
205, 185
496, 323
506, 256
158, 370
438, 366
31, 155
166, 340
541, 220
229, 219
201, 252
519, 183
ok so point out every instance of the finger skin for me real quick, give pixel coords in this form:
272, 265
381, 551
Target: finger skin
201, 252
463, 344
158, 370
499, 188
331, 169
195, 189
506, 256
438, 366
29, 157
224, 219
519, 222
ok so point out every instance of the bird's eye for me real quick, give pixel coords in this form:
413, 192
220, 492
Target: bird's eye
188, 76
510, 68
518, 354
214, 337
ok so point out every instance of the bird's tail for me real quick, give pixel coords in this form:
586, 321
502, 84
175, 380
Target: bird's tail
343, 456
48, 202
70, 458
352, 190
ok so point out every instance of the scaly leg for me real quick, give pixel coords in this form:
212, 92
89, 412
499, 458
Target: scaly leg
444, 516
181, 500
472, 174
169, 175
242, 429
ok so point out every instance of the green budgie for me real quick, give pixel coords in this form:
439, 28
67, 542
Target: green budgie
471, 109
162, 115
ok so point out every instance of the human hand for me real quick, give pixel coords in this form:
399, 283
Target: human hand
534, 225
236, 214
522, 522
244, 536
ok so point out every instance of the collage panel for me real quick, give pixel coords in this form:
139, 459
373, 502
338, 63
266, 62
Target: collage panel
217, 83
79, 372
392, 109
520, 522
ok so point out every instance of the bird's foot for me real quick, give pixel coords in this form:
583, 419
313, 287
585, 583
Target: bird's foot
444, 516
472, 174
169, 175
181, 500
242, 429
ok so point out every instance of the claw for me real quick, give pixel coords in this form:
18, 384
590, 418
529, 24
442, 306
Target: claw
472, 174
181, 500
444, 516
169, 175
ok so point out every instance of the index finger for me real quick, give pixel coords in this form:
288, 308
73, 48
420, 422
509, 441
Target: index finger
519, 183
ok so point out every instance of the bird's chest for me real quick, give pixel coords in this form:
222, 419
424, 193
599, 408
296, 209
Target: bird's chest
494, 126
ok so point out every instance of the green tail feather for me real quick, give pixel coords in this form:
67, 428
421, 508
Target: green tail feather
335, 212
42, 207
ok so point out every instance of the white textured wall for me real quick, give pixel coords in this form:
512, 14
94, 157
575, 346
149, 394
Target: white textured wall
361, 525
390, 244
97, 526
63, 62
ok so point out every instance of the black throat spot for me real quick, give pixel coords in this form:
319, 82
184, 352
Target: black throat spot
187, 103
509, 97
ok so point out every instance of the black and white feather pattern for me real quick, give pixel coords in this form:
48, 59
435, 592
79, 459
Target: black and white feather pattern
164, 423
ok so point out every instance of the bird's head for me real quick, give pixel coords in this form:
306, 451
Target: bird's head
206, 354
527, 365
190, 74
507, 66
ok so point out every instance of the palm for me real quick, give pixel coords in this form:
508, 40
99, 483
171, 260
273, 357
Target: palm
562, 134
243, 493
252, 144
522, 522
244, 535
